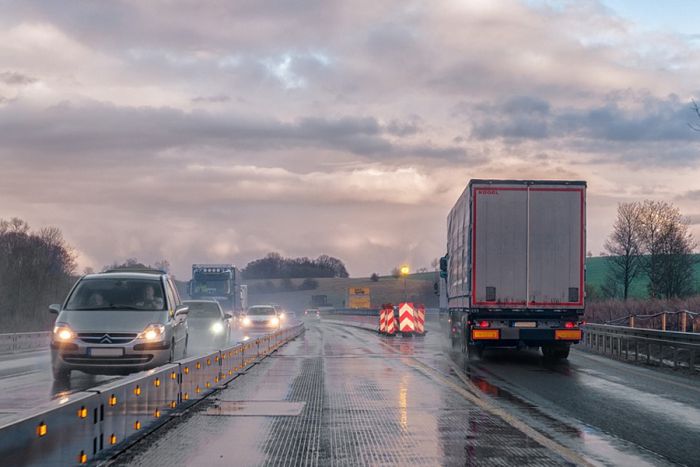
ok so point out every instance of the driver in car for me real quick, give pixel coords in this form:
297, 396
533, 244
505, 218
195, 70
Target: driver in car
150, 301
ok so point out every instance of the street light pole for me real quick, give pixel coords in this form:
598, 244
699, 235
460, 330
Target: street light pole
404, 272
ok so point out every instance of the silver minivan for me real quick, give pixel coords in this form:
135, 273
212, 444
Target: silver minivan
118, 322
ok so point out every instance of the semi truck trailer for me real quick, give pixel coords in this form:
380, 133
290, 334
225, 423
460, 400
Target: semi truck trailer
514, 270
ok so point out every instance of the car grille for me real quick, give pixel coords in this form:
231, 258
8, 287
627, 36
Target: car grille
106, 338
126, 360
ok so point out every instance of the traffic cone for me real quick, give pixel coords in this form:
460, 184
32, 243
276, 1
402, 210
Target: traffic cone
390, 322
406, 319
382, 321
420, 320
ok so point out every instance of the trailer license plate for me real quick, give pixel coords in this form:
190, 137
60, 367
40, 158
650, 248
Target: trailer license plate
97, 352
525, 324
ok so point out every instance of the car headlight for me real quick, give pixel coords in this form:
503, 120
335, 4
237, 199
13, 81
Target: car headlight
217, 328
283, 316
274, 321
63, 333
153, 332
246, 321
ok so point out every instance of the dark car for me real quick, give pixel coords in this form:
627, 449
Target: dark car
208, 323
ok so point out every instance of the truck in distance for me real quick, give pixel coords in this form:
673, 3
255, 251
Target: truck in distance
515, 265
220, 282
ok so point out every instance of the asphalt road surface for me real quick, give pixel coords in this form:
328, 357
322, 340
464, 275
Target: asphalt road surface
339, 395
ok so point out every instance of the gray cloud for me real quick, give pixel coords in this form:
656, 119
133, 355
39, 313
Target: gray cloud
15, 79
216, 99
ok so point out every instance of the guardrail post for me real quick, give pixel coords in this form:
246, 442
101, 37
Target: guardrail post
663, 321
684, 321
696, 324
631, 321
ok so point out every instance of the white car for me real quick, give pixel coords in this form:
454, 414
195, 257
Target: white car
261, 317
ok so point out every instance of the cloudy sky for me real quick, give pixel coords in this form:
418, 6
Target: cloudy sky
221, 130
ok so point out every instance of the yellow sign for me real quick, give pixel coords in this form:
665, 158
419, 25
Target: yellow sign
358, 297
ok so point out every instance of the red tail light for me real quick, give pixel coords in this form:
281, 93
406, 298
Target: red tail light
483, 324
569, 325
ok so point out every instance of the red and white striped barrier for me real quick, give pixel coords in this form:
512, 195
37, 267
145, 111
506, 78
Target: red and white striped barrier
382, 321
390, 322
420, 319
406, 319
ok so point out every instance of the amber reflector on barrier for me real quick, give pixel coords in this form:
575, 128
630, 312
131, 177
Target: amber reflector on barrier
208, 361
187, 370
113, 439
185, 396
198, 365
42, 429
113, 400
82, 457
567, 335
156, 382
137, 390
173, 404
82, 412
478, 334
156, 413
197, 390
137, 425
173, 375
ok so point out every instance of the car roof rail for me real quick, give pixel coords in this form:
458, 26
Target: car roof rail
141, 270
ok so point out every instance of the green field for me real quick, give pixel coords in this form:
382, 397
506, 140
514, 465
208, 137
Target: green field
596, 272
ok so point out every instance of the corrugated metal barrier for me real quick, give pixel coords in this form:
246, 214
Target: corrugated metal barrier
24, 341
94, 424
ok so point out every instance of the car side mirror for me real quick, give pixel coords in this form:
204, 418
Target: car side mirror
228, 315
55, 308
182, 310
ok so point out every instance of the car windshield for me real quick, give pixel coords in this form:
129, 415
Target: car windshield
203, 310
261, 311
117, 294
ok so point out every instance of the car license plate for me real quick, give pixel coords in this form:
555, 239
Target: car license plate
525, 324
111, 352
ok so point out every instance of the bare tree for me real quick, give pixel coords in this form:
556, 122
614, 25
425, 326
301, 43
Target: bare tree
624, 251
668, 246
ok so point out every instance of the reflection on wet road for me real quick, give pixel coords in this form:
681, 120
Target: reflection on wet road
365, 400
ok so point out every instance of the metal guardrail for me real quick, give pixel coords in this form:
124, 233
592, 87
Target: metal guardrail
664, 348
681, 320
24, 341
95, 424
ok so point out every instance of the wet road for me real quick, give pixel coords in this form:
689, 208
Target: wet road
342, 395
338, 396
26, 380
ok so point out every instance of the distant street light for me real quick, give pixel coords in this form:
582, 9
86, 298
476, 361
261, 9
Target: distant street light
404, 272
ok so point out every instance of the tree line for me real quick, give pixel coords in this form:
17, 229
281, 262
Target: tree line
274, 266
650, 240
36, 269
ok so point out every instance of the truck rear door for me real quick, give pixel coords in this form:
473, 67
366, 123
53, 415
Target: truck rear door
556, 246
499, 246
